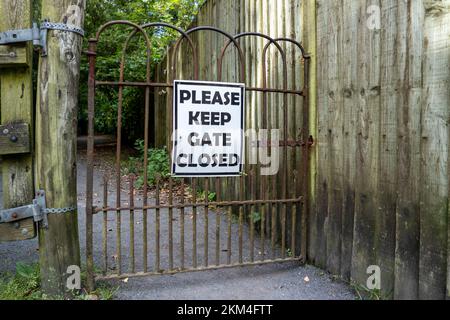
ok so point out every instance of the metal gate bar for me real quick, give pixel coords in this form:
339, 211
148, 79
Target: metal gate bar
181, 206
266, 206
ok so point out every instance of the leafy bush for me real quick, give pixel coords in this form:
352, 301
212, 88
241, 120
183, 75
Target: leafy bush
177, 12
158, 164
201, 196
256, 217
24, 284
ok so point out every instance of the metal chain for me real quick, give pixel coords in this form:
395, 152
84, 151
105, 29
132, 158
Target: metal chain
59, 210
62, 27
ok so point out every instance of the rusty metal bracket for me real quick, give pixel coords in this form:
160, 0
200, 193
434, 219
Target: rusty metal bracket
36, 210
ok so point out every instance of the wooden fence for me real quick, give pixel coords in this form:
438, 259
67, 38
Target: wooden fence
380, 167
383, 136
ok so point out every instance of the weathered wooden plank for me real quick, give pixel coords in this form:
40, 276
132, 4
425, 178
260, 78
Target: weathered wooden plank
319, 228
287, 32
14, 56
20, 230
299, 120
335, 128
386, 215
310, 41
17, 106
367, 154
434, 149
15, 138
265, 28
56, 130
408, 65
349, 92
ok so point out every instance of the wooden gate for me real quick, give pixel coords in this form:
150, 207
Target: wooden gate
196, 224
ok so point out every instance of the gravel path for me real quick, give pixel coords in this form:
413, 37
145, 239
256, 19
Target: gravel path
273, 281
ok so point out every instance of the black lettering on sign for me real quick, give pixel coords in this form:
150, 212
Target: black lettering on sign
205, 160
204, 97
206, 118
216, 139
184, 95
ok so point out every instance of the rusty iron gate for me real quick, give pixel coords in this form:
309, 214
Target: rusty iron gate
162, 235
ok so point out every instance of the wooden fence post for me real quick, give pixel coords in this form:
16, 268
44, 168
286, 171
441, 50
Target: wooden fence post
16, 107
56, 125
310, 42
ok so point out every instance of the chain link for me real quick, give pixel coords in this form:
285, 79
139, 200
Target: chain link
59, 210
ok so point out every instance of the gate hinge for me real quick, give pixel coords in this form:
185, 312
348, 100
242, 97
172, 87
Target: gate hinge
38, 35
36, 210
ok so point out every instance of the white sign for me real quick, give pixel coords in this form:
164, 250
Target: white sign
208, 122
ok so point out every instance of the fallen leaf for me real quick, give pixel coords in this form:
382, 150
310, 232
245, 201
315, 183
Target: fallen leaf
125, 280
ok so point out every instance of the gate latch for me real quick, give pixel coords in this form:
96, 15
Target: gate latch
38, 35
36, 210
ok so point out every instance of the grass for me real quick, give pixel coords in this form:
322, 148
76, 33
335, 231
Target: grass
361, 292
24, 284
364, 293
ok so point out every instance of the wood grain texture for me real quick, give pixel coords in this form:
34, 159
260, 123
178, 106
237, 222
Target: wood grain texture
348, 77
309, 37
387, 187
17, 106
14, 56
408, 65
335, 131
15, 138
56, 125
434, 152
367, 142
319, 227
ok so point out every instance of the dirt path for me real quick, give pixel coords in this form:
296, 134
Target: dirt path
275, 281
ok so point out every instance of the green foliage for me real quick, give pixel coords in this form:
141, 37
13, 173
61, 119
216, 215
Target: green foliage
177, 12
104, 291
25, 284
158, 164
256, 217
289, 253
364, 293
201, 196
